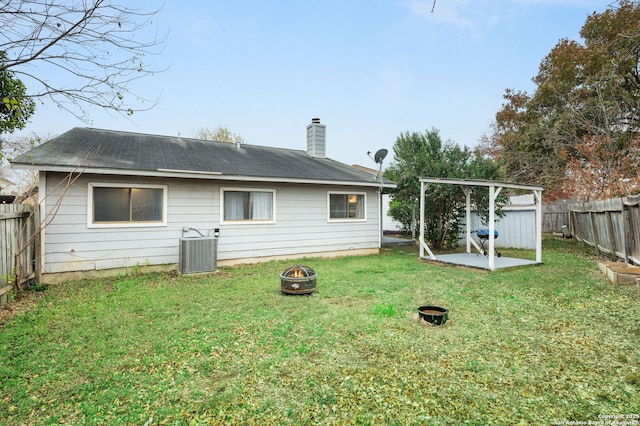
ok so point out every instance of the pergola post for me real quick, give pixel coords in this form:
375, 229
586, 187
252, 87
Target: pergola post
423, 244
421, 219
537, 195
467, 194
492, 227
493, 194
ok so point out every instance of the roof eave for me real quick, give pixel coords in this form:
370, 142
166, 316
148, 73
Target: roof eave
195, 174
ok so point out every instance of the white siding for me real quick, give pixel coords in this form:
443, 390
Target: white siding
517, 229
301, 225
388, 223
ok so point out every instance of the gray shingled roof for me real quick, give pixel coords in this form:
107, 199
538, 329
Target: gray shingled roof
119, 152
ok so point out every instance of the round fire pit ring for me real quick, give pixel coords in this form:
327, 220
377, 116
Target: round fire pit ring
298, 279
434, 315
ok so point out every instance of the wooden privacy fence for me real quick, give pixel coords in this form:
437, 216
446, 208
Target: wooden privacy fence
555, 216
19, 246
611, 226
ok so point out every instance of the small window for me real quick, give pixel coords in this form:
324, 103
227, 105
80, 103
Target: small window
248, 205
346, 206
112, 204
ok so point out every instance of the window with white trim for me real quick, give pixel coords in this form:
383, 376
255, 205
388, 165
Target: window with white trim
346, 206
128, 205
248, 205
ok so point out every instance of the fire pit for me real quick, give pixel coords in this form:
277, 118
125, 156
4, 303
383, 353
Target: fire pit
298, 280
435, 315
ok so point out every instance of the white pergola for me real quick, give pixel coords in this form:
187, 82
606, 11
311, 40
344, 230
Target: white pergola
494, 190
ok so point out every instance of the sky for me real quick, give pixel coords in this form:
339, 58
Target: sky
369, 69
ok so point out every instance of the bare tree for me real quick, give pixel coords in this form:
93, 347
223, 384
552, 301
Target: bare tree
23, 180
79, 52
219, 134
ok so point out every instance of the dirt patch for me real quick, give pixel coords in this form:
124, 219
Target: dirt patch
23, 302
623, 268
620, 272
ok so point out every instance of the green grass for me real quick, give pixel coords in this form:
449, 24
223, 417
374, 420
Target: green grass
536, 345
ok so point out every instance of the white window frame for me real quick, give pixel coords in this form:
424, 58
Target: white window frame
92, 224
249, 221
346, 219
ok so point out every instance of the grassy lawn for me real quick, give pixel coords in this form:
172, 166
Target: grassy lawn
537, 345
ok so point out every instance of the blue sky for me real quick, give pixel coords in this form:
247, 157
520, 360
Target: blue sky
369, 69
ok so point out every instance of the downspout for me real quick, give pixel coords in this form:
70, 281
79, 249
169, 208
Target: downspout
42, 191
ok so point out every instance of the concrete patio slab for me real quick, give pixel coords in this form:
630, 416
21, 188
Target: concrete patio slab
480, 261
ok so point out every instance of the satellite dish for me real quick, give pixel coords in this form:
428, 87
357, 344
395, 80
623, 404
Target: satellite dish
378, 158
380, 155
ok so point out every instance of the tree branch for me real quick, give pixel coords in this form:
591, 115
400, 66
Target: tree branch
97, 46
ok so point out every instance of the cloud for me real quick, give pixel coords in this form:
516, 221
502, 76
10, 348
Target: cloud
482, 14
448, 12
461, 14
598, 4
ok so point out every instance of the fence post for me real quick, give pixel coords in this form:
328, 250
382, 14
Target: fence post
612, 236
17, 247
594, 232
624, 220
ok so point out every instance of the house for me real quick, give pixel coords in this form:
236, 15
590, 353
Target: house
5, 198
112, 200
4, 183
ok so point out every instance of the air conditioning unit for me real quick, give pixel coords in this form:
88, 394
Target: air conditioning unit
198, 254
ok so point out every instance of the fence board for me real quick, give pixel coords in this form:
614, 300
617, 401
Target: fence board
555, 216
611, 226
18, 246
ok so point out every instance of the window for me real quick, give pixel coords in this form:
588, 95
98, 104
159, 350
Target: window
114, 204
248, 205
346, 206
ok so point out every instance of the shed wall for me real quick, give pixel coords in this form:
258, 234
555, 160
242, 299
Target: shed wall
517, 229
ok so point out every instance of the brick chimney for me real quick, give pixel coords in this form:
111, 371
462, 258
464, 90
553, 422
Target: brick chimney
316, 139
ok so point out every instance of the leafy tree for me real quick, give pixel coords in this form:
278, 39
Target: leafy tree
419, 155
78, 52
579, 131
594, 173
219, 134
16, 108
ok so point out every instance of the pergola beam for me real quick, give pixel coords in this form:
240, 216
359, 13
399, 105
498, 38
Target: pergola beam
479, 182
